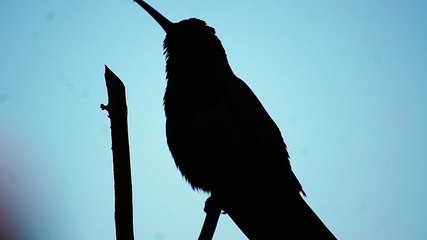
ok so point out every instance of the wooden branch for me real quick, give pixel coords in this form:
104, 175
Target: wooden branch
213, 211
117, 112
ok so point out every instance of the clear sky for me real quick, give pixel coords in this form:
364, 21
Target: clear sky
346, 82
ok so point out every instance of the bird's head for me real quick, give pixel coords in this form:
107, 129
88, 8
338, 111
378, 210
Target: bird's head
189, 41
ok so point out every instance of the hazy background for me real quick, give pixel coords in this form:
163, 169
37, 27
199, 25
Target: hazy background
346, 81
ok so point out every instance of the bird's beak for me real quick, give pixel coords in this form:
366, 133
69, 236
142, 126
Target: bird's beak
164, 22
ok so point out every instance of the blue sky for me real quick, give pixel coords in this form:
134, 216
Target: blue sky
346, 82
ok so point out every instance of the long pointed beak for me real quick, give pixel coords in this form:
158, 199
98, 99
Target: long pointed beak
164, 22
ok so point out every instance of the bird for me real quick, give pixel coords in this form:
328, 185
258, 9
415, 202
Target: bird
223, 140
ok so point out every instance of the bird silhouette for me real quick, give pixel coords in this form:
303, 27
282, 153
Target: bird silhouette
223, 140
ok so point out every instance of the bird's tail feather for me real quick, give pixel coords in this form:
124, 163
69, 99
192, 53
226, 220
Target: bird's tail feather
281, 218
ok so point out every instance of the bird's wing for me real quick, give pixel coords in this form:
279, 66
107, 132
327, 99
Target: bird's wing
261, 136
270, 206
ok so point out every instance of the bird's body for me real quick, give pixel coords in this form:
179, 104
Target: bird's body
216, 127
224, 142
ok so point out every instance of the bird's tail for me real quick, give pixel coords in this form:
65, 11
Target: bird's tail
277, 218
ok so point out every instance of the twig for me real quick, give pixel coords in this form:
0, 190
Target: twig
213, 211
117, 112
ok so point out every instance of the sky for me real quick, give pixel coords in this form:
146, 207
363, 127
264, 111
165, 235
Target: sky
345, 81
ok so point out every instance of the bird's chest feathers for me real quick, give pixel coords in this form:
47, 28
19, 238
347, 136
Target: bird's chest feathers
188, 96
